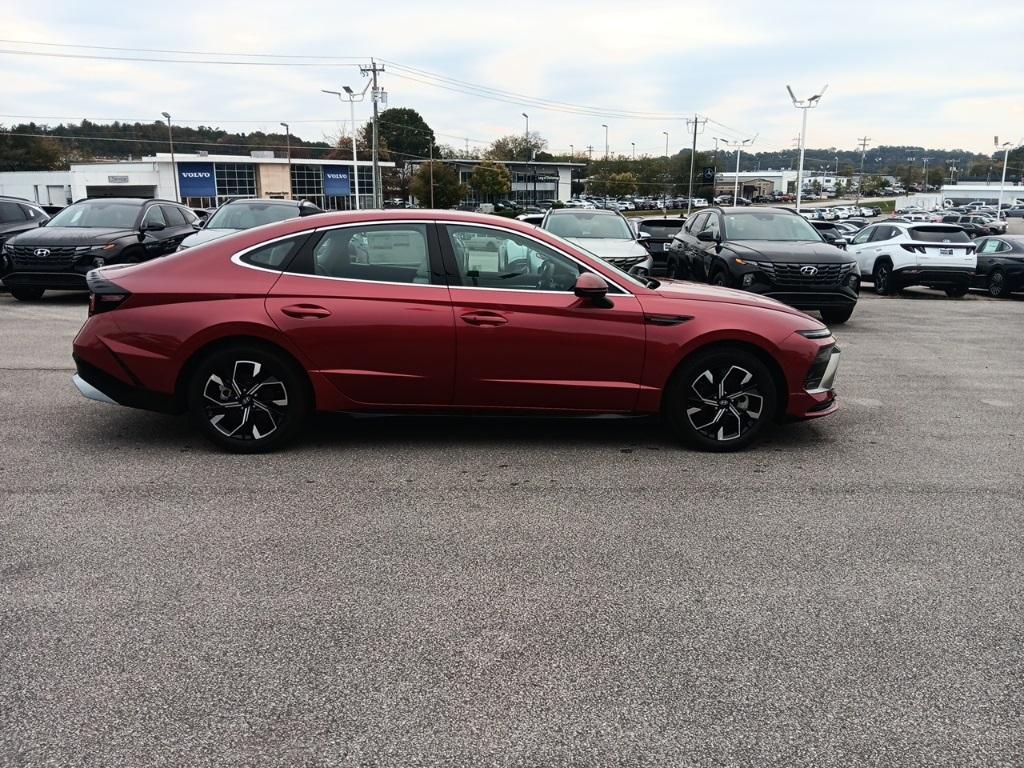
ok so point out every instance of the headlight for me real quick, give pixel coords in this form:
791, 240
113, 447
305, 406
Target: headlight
817, 333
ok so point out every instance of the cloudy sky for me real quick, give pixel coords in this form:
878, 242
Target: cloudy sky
942, 75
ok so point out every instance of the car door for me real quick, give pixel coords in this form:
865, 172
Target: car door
860, 247
524, 339
685, 240
987, 250
368, 305
706, 251
178, 227
154, 228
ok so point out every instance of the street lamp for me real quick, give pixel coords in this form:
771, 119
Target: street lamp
605, 140
738, 145
572, 153
288, 144
1005, 146
634, 149
351, 98
666, 143
804, 104
174, 167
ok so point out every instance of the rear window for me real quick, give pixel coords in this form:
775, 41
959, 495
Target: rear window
939, 235
661, 228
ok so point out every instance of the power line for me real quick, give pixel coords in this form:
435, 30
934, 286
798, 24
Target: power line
191, 53
94, 57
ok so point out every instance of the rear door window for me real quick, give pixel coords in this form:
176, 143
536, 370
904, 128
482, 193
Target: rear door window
10, 212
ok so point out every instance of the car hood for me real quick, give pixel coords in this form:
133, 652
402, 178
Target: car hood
799, 252
205, 236
610, 249
50, 236
682, 289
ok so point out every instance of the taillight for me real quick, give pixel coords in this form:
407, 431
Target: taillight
104, 294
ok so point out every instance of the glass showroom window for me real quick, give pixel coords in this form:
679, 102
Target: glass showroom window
308, 184
235, 180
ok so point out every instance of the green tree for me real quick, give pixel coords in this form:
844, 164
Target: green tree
517, 147
402, 134
448, 191
614, 184
27, 153
491, 179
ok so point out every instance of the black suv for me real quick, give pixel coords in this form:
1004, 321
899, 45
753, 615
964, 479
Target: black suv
18, 215
92, 233
770, 251
655, 234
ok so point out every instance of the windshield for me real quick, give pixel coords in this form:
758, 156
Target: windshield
589, 225
624, 276
97, 213
249, 215
665, 229
766, 225
939, 235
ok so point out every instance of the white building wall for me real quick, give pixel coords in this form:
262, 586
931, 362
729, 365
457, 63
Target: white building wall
44, 187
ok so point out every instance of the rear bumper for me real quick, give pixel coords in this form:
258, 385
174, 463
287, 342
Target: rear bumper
96, 384
928, 275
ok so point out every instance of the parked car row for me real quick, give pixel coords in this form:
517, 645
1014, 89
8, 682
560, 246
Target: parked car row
57, 254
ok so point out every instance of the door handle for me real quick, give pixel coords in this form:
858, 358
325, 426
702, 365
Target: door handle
305, 310
484, 318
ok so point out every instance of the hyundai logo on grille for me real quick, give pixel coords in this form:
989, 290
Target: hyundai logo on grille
41, 252
809, 271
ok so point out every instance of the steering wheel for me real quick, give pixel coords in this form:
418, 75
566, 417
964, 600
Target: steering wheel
546, 276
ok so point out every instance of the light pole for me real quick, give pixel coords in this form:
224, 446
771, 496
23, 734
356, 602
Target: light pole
910, 171
803, 104
1005, 146
605, 140
924, 181
738, 145
174, 167
634, 150
288, 144
526, 134
351, 98
572, 153
666, 143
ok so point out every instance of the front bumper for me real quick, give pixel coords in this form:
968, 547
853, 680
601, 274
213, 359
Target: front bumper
56, 281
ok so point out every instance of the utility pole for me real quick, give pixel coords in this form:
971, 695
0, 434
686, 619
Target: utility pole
697, 123
603, 125
174, 166
377, 96
431, 173
590, 152
288, 144
572, 153
863, 144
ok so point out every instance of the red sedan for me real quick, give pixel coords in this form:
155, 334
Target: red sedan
437, 311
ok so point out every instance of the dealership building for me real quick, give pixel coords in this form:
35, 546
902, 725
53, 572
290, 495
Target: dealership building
201, 180
753, 183
531, 181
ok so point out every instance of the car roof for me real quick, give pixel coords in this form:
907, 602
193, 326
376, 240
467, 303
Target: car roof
139, 200
266, 201
587, 211
748, 209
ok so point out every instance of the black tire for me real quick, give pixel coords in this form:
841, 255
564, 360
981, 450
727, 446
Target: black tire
693, 402
957, 291
720, 278
883, 279
23, 293
836, 315
247, 398
998, 287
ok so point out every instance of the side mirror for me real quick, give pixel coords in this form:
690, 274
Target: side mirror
593, 289
154, 226
642, 235
706, 236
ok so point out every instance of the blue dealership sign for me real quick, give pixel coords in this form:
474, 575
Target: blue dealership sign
336, 181
196, 180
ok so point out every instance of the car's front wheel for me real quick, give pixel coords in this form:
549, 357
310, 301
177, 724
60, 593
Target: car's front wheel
721, 399
836, 315
247, 398
27, 294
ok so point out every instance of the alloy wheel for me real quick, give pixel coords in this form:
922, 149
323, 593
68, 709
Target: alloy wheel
247, 402
997, 284
724, 404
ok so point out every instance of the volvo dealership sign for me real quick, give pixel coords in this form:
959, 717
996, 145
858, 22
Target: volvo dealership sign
336, 181
197, 180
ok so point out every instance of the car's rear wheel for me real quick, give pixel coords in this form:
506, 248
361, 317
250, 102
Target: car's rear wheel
836, 315
998, 288
27, 294
882, 278
721, 399
957, 291
247, 398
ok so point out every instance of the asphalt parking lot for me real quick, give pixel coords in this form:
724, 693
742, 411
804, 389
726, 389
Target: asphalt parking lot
435, 591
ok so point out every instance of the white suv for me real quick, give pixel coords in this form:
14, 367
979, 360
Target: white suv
896, 254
